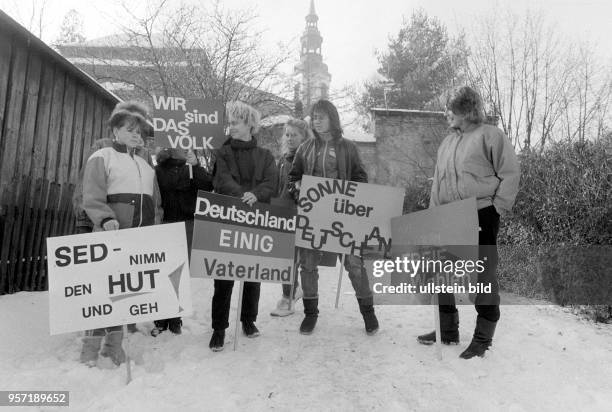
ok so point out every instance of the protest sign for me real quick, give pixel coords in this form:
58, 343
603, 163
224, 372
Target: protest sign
103, 279
439, 242
233, 241
344, 217
188, 123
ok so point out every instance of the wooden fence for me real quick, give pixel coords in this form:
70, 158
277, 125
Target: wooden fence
50, 113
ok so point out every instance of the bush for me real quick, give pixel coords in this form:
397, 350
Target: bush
564, 205
417, 195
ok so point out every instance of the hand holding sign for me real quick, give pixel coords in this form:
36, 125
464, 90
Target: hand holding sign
110, 225
249, 198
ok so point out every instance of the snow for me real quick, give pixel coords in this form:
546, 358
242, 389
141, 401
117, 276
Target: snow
543, 358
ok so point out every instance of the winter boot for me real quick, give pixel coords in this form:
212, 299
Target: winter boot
282, 308
369, 317
89, 352
449, 329
483, 337
112, 347
311, 312
217, 340
175, 325
249, 329
160, 326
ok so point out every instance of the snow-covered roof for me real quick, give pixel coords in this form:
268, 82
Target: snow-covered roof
401, 111
359, 136
272, 120
121, 40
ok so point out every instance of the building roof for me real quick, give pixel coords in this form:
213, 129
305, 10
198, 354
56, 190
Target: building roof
359, 136
120, 40
399, 112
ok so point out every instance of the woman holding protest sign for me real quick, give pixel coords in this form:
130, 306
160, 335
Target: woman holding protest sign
296, 131
476, 160
179, 176
329, 155
248, 172
120, 191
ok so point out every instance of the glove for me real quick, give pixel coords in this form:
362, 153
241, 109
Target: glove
110, 225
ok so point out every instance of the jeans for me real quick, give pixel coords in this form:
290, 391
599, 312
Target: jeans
487, 305
287, 288
310, 259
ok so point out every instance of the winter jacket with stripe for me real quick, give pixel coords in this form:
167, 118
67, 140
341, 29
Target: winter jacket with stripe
117, 184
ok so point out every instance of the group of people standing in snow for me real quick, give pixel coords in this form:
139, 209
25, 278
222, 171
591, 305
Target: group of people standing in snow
122, 188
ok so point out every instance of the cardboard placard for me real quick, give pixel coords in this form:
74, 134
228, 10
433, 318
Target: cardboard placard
233, 241
112, 278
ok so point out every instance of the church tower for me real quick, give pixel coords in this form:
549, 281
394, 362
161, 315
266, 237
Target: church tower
312, 74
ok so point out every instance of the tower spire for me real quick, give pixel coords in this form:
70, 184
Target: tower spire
313, 73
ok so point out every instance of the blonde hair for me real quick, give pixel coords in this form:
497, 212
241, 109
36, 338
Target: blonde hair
302, 127
242, 111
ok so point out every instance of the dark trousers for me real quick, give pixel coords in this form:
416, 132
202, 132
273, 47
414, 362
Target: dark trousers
222, 299
487, 305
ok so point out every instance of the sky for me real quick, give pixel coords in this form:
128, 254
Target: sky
352, 30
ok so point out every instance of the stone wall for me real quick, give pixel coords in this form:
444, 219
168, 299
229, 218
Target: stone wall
367, 151
406, 144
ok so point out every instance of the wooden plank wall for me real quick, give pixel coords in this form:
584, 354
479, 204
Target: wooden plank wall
48, 121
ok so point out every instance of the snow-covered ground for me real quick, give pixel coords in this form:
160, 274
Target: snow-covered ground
543, 359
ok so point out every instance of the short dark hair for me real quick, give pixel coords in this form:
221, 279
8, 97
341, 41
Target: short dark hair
325, 106
466, 101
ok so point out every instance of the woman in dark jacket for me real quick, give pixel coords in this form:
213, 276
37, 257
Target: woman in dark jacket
179, 177
329, 155
249, 172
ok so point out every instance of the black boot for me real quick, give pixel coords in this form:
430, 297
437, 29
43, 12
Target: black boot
249, 329
449, 329
483, 337
311, 312
217, 340
160, 326
369, 317
175, 325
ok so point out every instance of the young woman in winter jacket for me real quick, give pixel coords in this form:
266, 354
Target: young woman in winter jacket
119, 191
330, 155
475, 160
296, 132
248, 172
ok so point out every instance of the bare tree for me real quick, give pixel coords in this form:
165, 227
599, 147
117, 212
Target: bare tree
199, 51
540, 85
31, 14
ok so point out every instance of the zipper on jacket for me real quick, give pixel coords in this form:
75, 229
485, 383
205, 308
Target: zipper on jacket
141, 189
455, 166
324, 156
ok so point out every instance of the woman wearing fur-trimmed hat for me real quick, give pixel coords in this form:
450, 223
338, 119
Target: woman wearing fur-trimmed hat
119, 192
